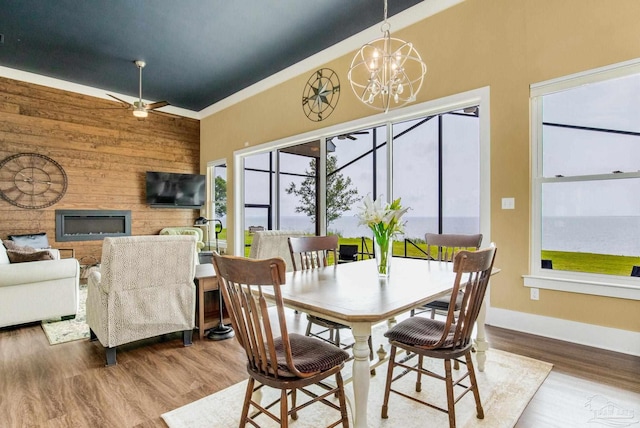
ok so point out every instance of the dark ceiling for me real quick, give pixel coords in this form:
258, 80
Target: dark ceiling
198, 52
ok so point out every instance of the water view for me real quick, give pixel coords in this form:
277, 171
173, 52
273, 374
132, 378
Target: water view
572, 234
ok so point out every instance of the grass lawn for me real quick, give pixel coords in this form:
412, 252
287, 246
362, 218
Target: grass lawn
398, 246
591, 263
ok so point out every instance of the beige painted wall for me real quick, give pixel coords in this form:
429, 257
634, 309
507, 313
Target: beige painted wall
504, 44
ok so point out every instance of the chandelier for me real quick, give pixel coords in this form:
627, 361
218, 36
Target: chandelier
386, 70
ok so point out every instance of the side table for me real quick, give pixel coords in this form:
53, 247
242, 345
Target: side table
207, 308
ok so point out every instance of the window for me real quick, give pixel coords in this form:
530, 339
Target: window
217, 210
218, 172
258, 191
356, 166
436, 166
586, 178
297, 182
418, 153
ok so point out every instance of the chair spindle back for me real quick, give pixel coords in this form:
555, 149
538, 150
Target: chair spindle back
242, 282
473, 270
313, 251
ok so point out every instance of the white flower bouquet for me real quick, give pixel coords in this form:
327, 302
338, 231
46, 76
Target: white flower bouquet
385, 222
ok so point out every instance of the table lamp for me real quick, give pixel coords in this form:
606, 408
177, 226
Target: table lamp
201, 221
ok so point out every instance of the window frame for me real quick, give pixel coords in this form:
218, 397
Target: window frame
569, 281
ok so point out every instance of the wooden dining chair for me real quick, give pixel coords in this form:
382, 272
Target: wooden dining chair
275, 358
309, 252
446, 340
443, 247
312, 252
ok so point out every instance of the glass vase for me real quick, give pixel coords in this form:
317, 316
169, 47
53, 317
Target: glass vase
383, 251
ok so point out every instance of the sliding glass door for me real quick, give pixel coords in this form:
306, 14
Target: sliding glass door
436, 172
298, 189
433, 162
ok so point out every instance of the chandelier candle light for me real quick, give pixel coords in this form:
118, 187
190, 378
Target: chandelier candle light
387, 69
385, 223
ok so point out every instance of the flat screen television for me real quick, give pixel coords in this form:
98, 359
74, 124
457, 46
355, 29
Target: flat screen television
174, 190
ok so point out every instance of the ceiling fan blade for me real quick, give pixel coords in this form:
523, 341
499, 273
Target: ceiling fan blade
156, 105
122, 101
164, 113
471, 110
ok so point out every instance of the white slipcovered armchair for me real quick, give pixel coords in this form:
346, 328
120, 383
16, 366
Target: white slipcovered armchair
144, 288
273, 243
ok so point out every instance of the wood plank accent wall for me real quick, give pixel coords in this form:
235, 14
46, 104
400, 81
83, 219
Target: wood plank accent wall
105, 152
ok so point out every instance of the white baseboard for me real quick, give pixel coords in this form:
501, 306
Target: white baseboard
624, 341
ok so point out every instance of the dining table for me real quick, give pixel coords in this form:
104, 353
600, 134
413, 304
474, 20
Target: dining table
355, 295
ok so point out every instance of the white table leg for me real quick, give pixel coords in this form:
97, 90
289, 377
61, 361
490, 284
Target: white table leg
361, 333
391, 322
481, 343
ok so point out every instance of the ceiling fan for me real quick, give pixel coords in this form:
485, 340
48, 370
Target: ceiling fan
139, 108
350, 135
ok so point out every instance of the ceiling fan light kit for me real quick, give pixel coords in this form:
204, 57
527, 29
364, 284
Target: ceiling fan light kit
140, 112
387, 70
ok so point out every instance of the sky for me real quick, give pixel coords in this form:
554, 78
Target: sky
415, 168
611, 104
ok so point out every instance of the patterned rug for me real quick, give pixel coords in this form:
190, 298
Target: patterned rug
506, 387
58, 331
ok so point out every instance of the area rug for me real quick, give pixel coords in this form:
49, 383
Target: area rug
506, 387
58, 331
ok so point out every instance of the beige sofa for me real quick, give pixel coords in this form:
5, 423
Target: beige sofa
37, 290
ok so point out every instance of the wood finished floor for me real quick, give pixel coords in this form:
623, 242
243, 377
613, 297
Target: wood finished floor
67, 385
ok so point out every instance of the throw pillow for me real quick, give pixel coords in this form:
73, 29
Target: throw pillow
33, 240
19, 254
11, 245
18, 257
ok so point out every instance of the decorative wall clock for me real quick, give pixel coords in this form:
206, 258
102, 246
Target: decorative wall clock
32, 180
320, 95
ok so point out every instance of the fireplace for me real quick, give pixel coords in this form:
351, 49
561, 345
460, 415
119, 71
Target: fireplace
91, 225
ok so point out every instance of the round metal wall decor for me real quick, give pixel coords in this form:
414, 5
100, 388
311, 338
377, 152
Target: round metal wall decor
32, 181
320, 95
